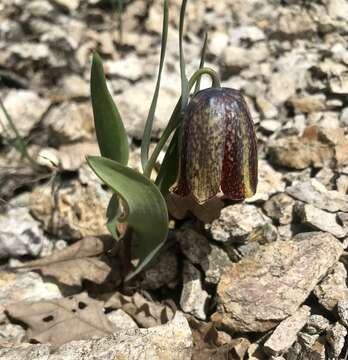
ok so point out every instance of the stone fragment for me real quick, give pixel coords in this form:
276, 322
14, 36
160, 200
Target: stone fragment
265, 288
342, 310
26, 109
280, 208
268, 110
172, 341
308, 104
295, 153
333, 287
319, 219
121, 320
70, 5
69, 122
193, 298
314, 193
286, 332
73, 212
11, 333
162, 273
20, 234
316, 324
238, 224
73, 86
342, 184
282, 87
28, 286
270, 126
307, 340
212, 259
336, 338
269, 183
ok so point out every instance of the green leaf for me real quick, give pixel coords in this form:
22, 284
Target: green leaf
113, 212
111, 134
146, 209
149, 121
184, 81
169, 169
201, 65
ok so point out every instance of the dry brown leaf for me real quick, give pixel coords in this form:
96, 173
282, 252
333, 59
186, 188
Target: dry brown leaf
145, 312
62, 320
80, 261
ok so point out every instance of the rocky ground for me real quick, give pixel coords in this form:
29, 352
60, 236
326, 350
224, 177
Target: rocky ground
268, 279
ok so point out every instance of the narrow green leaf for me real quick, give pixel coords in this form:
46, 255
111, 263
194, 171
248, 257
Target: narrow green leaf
184, 80
111, 134
149, 121
201, 65
147, 211
169, 169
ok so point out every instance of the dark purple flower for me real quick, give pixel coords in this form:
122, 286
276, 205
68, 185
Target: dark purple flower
218, 149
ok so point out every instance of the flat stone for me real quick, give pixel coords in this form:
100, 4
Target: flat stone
333, 287
314, 193
70, 5
296, 153
11, 333
286, 332
237, 223
336, 338
267, 287
268, 110
319, 219
172, 341
20, 234
26, 109
342, 310
193, 298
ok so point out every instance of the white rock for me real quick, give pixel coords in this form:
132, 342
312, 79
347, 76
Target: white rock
26, 109
121, 320
20, 234
193, 298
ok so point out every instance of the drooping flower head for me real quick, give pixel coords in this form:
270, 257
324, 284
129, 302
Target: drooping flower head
218, 149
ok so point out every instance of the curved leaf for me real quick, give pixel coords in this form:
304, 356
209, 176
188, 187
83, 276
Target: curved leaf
112, 213
147, 210
111, 134
145, 144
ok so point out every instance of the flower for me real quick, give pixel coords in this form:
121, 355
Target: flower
218, 147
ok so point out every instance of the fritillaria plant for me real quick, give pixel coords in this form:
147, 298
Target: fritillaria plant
212, 154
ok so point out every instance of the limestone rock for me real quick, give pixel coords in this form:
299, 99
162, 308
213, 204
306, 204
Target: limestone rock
238, 224
286, 332
75, 211
319, 219
314, 193
280, 208
172, 341
265, 288
121, 320
69, 122
336, 338
193, 298
26, 109
20, 234
342, 310
333, 287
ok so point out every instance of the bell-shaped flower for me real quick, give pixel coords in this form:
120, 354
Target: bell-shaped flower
218, 153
